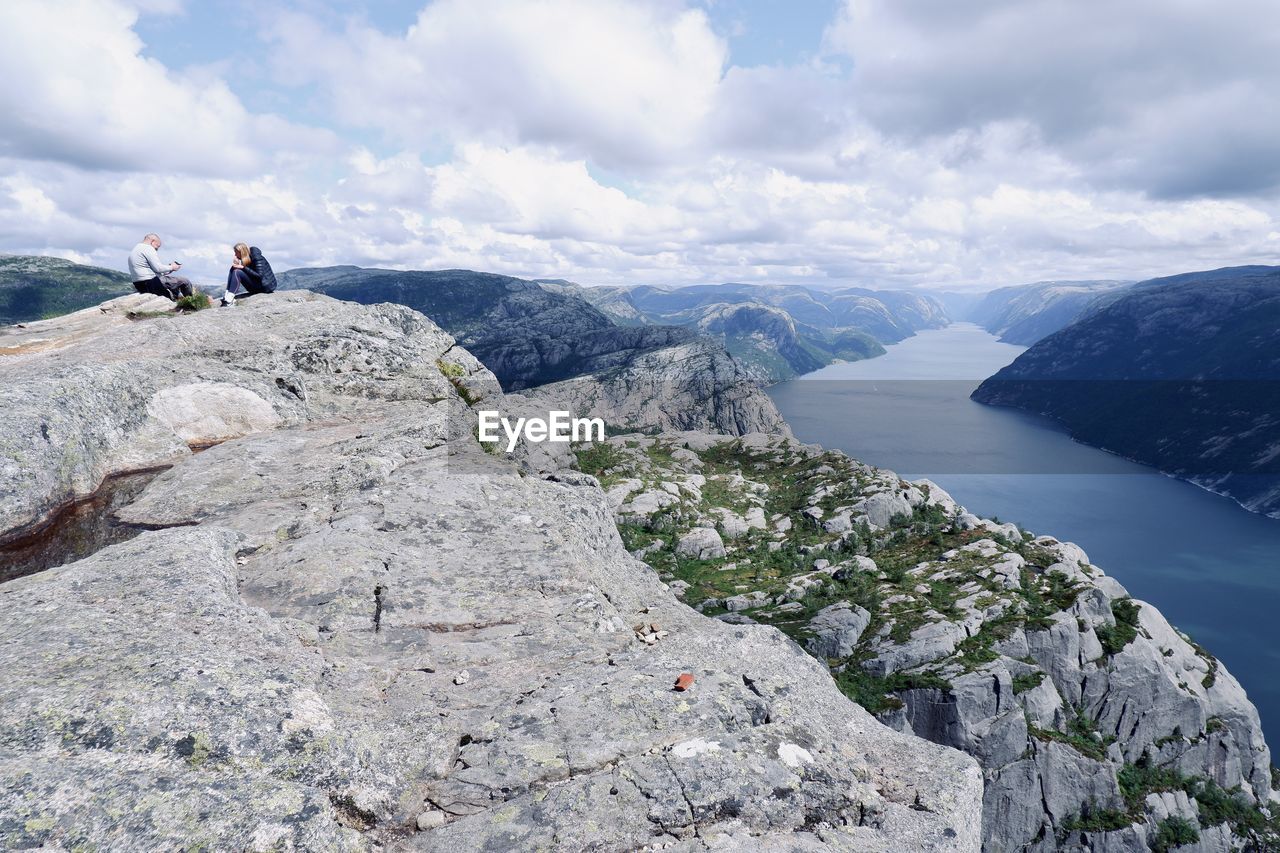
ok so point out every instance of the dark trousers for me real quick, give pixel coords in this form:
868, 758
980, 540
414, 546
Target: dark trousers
242, 283
168, 286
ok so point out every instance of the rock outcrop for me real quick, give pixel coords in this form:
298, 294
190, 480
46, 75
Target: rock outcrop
1094, 720
696, 386
530, 335
351, 627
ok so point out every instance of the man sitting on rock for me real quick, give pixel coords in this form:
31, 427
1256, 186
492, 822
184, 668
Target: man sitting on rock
151, 276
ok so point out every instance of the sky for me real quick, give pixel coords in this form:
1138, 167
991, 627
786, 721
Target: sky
884, 143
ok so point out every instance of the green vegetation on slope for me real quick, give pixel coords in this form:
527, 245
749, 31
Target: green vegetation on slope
37, 288
792, 551
786, 480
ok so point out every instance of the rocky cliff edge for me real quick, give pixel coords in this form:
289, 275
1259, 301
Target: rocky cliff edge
1098, 725
349, 627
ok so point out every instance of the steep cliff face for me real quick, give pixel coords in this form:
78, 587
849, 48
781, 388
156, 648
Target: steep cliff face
347, 627
1025, 313
763, 338
696, 386
1098, 725
1182, 373
773, 347
888, 315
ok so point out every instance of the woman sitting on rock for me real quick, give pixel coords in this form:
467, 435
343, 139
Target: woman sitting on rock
250, 273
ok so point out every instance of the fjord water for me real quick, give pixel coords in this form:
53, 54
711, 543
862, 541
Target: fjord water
1210, 566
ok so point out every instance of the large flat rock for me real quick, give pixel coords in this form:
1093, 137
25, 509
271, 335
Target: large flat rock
94, 392
358, 629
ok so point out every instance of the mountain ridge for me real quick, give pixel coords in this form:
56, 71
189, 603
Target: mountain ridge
531, 336
36, 287
1025, 313
1179, 372
820, 326
353, 539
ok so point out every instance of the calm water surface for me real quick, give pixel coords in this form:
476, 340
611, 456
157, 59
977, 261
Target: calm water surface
1210, 566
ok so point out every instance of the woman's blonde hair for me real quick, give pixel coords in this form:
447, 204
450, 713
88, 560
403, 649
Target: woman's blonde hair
242, 252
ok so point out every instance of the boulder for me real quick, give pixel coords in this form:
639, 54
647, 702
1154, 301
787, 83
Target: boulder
646, 503
731, 525
746, 601
881, 507
836, 629
701, 543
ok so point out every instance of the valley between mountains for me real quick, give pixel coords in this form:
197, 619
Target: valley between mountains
342, 623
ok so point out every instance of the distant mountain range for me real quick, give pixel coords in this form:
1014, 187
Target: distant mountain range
1025, 313
530, 336
1182, 373
526, 334
34, 287
530, 333
778, 331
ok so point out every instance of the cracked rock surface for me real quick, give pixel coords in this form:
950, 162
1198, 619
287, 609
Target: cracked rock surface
1086, 709
355, 629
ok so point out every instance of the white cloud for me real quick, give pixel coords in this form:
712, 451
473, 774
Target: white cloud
78, 90
529, 212
609, 142
625, 82
1175, 98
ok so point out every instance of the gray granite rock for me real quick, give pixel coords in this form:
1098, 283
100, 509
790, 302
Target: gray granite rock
95, 392
731, 525
691, 386
1012, 648
836, 630
883, 506
701, 543
281, 666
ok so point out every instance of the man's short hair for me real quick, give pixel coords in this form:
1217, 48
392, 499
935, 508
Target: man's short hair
150, 237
